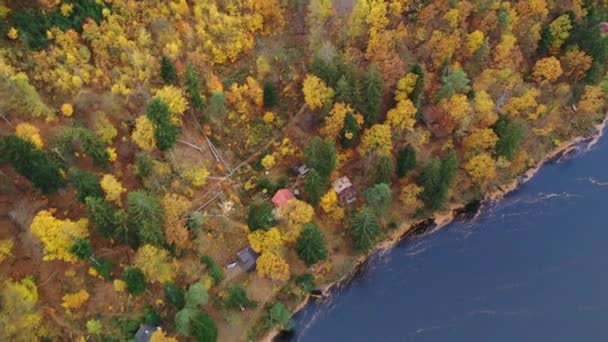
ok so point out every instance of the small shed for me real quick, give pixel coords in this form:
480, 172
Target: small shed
345, 190
247, 258
144, 333
281, 197
303, 170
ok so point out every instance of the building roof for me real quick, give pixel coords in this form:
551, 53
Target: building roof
247, 258
144, 333
281, 197
341, 184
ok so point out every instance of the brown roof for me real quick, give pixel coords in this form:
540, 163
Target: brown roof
281, 197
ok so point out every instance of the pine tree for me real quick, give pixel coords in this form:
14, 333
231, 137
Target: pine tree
314, 187
436, 179
384, 169
311, 246
164, 131
417, 95
406, 161
270, 95
237, 298
379, 198
102, 215
31, 163
260, 216
135, 279
193, 88
373, 92
510, 135
351, 131
82, 249
86, 184
365, 230
202, 328
321, 156
147, 216
174, 295
167, 71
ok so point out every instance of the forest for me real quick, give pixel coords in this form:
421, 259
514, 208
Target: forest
151, 151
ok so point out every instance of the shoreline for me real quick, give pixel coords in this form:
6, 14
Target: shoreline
441, 219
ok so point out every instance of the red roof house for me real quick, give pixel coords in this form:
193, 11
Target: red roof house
281, 197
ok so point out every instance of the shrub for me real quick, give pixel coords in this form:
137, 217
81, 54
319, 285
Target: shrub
136, 282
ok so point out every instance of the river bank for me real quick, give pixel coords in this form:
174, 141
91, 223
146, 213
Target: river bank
439, 220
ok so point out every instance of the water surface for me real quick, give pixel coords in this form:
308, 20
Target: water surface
533, 267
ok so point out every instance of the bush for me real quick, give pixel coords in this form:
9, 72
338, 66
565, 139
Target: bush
135, 279
31, 163
202, 328
104, 267
143, 164
82, 249
279, 315
237, 298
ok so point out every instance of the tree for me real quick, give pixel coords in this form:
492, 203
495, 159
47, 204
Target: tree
480, 139
403, 117
174, 295
214, 270
260, 216
592, 100
237, 298
456, 81
547, 70
510, 135
193, 88
270, 95
30, 133
146, 216
314, 186
311, 246
19, 317
576, 63
417, 94
155, 263
329, 203
144, 134
316, 92
373, 92
266, 240
406, 161
102, 215
135, 280
409, 197
160, 336
75, 300
379, 198
176, 206
296, 212
271, 265
321, 156
436, 179
364, 230
202, 328
86, 184
165, 132
482, 168
349, 136
81, 248
377, 138
57, 236
197, 295
112, 188
167, 71
279, 315
31, 163
384, 169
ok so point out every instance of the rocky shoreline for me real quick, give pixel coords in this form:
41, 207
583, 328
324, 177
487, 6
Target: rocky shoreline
441, 219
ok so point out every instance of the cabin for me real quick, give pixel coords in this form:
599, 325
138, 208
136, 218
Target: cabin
247, 258
144, 333
345, 190
281, 197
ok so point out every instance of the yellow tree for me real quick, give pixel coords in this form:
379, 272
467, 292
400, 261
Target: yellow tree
143, 134
560, 31
485, 109
272, 266
112, 188
57, 236
405, 86
409, 197
316, 92
378, 137
19, 315
175, 98
482, 168
176, 206
592, 100
266, 241
475, 40
329, 204
576, 63
518, 105
75, 300
296, 213
480, 139
456, 108
30, 133
155, 263
547, 69
159, 336
268, 162
6, 246
334, 122
403, 116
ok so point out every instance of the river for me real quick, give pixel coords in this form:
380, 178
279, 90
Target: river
532, 267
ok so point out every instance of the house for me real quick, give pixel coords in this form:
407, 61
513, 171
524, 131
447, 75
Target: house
345, 190
247, 258
144, 333
281, 197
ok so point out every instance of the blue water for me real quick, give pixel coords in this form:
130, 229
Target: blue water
533, 267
